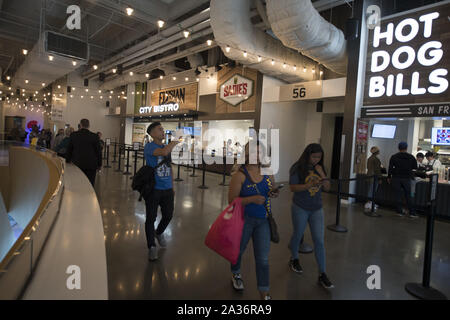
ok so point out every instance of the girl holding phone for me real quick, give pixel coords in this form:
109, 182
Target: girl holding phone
307, 178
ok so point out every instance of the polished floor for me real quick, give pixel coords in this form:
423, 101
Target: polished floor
187, 269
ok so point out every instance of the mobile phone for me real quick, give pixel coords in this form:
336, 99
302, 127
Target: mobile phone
281, 185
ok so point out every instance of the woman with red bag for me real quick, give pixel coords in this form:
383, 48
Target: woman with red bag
255, 191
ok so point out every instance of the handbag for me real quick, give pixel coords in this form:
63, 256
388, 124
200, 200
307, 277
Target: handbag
274, 235
224, 236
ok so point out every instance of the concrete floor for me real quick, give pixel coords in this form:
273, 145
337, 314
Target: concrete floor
187, 269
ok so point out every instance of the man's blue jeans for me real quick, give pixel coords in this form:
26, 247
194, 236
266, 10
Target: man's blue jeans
300, 217
259, 230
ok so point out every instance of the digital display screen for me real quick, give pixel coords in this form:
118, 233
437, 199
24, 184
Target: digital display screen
440, 136
385, 131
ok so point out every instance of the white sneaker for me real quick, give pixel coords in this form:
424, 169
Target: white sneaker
153, 253
368, 205
161, 240
238, 284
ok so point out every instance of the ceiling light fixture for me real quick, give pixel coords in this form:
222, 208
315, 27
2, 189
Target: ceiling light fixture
147, 75
25, 52
160, 23
227, 49
186, 33
74, 63
209, 42
129, 11
95, 67
259, 58
245, 54
114, 70
131, 73
174, 78
272, 62
50, 57
8, 78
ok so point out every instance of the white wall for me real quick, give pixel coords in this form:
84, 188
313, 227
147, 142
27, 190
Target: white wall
218, 131
93, 109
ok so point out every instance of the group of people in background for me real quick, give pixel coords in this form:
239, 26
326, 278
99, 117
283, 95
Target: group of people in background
403, 173
82, 147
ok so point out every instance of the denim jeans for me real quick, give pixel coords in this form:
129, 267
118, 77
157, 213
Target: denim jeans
259, 230
403, 185
315, 218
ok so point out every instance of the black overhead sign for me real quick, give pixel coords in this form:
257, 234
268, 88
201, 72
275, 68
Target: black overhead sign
408, 58
430, 110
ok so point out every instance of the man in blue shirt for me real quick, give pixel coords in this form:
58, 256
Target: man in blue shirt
163, 194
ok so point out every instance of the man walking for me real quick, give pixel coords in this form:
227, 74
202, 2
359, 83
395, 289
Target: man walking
401, 166
373, 169
157, 155
84, 151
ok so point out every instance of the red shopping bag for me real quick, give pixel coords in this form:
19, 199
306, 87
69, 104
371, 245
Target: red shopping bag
225, 234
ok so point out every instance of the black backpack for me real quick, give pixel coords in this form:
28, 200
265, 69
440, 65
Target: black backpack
144, 180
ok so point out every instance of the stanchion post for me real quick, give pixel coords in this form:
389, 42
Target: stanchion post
304, 247
128, 162
120, 157
178, 170
107, 157
423, 290
135, 164
224, 171
114, 155
336, 227
193, 165
203, 186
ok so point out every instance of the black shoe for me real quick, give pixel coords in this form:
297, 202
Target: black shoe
295, 266
325, 282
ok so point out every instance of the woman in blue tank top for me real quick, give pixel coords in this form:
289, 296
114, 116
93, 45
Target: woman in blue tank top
255, 191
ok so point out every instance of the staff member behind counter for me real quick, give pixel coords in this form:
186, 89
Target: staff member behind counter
432, 162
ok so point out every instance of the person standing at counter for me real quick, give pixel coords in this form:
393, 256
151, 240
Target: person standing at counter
401, 166
157, 155
432, 162
307, 177
373, 169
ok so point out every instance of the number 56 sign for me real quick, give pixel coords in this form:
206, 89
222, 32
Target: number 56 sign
301, 91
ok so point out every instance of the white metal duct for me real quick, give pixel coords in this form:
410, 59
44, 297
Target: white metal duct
230, 21
38, 68
299, 26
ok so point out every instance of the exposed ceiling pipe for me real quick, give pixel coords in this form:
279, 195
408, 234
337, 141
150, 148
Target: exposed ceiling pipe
232, 27
172, 45
299, 26
144, 45
160, 64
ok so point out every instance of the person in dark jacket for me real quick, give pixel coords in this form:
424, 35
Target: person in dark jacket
373, 169
84, 151
401, 166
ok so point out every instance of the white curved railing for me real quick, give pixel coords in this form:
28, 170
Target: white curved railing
32, 185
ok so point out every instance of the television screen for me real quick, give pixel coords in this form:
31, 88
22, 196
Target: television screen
386, 131
440, 136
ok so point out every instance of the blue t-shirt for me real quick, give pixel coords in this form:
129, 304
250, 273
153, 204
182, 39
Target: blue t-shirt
248, 189
163, 174
310, 199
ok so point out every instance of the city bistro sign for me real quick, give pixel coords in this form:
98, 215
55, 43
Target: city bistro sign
408, 58
178, 99
236, 89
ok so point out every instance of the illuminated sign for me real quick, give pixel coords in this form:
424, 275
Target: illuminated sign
236, 90
408, 59
170, 107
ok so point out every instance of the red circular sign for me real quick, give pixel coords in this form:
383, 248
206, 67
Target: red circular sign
32, 123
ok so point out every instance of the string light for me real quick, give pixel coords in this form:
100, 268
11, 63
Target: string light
259, 58
95, 67
50, 57
129, 11
160, 23
74, 63
284, 65
25, 52
131, 73
209, 42
273, 62
147, 75
227, 49
161, 77
186, 33
245, 54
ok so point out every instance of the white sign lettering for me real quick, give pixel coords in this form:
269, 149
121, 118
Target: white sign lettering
171, 107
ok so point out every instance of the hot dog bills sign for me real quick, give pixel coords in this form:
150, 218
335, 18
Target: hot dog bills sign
236, 89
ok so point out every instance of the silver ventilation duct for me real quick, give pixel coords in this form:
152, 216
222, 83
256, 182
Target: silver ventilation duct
299, 26
230, 21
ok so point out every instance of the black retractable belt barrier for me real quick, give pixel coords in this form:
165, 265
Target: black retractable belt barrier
193, 166
304, 247
336, 227
224, 172
128, 162
114, 155
423, 290
107, 157
120, 157
203, 186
